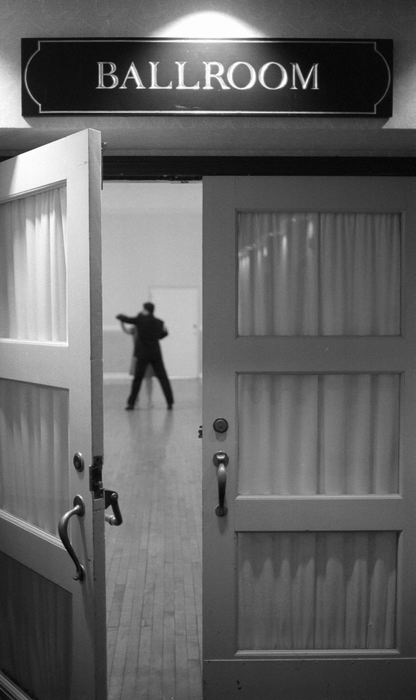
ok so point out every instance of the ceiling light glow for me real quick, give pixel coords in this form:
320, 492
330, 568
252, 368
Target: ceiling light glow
208, 25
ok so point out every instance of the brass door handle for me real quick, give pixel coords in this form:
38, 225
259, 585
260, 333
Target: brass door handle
221, 460
78, 509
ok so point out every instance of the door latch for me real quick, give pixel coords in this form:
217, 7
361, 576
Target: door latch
98, 491
96, 477
111, 499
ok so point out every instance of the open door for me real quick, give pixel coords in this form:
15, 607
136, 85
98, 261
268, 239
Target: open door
309, 478
52, 601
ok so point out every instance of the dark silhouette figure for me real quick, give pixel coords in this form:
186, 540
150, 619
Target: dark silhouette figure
147, 352
132, 330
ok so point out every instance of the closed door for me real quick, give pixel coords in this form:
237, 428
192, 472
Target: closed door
309, 518
52, 604
179, 308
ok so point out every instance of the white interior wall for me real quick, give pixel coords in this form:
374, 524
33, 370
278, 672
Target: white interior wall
151, 237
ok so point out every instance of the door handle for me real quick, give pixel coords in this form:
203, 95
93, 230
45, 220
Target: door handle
111, 499
221, 460
78, 509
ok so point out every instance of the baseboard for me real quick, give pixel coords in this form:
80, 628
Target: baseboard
116, 377
123, 378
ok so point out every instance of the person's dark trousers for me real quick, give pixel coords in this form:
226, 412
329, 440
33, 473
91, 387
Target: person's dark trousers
160, 373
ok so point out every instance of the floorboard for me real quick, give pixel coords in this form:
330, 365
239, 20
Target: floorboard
153, 460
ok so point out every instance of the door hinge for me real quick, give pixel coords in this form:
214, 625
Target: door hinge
96, 477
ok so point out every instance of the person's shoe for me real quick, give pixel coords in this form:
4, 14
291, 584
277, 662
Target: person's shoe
129, 407
170, 406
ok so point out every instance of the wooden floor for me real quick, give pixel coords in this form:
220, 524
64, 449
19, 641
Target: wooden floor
153, 461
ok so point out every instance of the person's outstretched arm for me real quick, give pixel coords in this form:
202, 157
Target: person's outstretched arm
126, 319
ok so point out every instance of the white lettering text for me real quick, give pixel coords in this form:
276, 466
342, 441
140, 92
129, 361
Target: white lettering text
230, 75
282, 75
181, 79
111, 74
240, 75
132, 74
209, 75
312, 75
153, 78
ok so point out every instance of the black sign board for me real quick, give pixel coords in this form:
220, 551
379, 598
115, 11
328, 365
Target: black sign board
209, 76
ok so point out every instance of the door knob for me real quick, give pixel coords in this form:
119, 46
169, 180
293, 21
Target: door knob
221, 460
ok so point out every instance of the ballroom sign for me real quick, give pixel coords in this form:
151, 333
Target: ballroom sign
287, 77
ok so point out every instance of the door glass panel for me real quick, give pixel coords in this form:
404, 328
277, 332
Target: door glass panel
34, 453
311, 434
33, 267
318, 273
38, 629
317, 590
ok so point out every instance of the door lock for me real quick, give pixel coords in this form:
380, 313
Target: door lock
78, 462
220, 425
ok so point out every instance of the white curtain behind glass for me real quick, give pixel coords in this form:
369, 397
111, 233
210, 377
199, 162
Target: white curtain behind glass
33, 452
317, 590
332, 434
33, 267
318, 273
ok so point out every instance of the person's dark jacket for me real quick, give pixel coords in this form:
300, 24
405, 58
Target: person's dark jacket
149, 331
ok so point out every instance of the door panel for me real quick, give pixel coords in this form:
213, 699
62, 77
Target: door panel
51, 408
312, 434
30, 603
33, 266
34, 438
320, 590
309, 348
319, 273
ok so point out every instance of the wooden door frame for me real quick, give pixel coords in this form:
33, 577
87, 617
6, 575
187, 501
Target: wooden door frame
195, 167
183, 168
